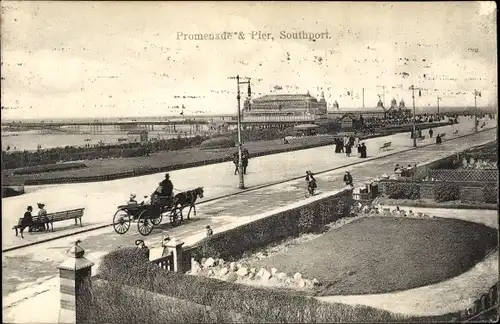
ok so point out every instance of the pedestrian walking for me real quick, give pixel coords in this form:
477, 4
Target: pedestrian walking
236, 160
431, 132
348, 150
348, 179
164, 242
363, 150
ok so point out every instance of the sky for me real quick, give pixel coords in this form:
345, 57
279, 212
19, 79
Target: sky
76, 59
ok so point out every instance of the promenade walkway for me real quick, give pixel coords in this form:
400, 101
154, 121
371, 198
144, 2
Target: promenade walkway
100, 199
30, 274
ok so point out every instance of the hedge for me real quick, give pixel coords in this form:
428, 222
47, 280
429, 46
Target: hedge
232, 244
50, 168
446, 191
218, 142
402, 190
257, 304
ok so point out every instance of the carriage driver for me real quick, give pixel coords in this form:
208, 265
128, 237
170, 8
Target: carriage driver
167, 186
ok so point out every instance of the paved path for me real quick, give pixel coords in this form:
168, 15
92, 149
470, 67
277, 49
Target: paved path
101, 198
449, 296
30, 274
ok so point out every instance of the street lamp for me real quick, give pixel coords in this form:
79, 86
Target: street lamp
438, 99
240, 155
414, 122
476, 94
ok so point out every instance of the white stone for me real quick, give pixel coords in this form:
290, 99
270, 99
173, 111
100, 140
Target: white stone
210, 273
209, 263
261, 271
232, 266
265, 275
274, 271
308, 283
252, 270
316, 282
223, 271
195, 267
221, 262
301, 283
242, 272
297, 276
251, 275
281, 276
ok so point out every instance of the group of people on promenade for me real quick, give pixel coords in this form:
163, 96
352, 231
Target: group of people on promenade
245, 156
346, 145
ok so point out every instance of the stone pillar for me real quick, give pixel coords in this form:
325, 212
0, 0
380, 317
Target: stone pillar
175, 247
72, 274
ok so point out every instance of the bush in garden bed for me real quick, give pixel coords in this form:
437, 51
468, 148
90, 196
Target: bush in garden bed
256, 305
50, 168
403, 190
218, 142
491, 193
446, 191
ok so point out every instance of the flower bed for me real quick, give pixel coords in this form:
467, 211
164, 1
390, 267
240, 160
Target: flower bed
50, 168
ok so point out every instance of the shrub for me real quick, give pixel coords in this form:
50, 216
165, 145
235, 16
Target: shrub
491, 193
108, 302
402, 190
256, 305
218, 142
447, 192
50, 168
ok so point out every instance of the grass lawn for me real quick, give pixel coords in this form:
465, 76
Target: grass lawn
385, 254
167, 158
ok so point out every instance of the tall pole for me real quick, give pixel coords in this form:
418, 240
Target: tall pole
240, 155
383, 95
438, 104
363, 97
414, 126
475, 111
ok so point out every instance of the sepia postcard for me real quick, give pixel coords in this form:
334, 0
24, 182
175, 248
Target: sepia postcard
249, 161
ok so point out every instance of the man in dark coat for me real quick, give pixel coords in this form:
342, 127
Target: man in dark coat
438, 139
167, 186
431, 132
363, 150
236, 160
348, 179
245, 156
348, 150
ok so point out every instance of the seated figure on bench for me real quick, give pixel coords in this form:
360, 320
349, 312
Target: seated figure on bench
43, 220
26, 221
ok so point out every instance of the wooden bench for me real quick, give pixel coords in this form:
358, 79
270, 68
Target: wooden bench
75, 214
386, 146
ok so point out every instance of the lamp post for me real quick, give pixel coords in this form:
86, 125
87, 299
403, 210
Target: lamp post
438, 99
476, 94
414, 122
240, 153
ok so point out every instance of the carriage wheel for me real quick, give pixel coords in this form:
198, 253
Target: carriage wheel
145, 223
121, 221
175, 217
156, 221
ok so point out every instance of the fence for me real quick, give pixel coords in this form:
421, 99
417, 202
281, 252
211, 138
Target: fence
474, 175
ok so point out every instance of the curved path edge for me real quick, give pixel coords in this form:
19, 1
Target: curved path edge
449, 296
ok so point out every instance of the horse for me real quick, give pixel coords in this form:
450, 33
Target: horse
188, 198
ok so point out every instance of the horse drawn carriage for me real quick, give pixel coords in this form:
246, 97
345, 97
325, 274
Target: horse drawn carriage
149, 215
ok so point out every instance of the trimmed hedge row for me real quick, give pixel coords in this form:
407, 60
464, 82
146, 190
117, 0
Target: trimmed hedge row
256, 305
232, 244
446, 191
218, 142
402, 190
50, 168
